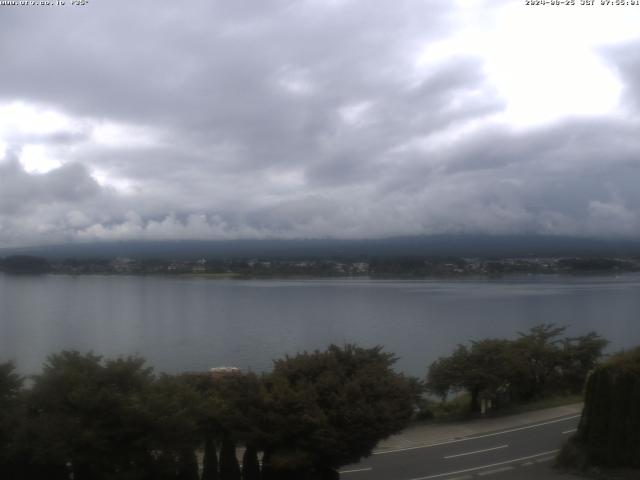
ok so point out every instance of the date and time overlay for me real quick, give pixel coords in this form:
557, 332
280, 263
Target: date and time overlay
45, 3
565, 3
584, 3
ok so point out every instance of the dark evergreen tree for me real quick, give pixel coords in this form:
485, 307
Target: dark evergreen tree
188, 465
267, 470
229, 467
37, 470
84, 471
210, 460
165, 467
609, 430
250, 464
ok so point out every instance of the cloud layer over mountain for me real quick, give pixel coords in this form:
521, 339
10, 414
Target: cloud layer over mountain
317, 118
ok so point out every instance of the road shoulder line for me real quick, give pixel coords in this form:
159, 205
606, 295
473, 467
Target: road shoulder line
473, 469
476, 451
466, 439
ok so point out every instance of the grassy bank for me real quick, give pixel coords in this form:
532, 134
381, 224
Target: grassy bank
457, 409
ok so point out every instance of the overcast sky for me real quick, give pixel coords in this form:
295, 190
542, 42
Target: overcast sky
221, 119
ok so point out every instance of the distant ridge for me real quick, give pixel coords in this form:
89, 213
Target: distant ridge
437, 245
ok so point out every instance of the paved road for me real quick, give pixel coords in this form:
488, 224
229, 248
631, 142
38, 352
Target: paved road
516, 453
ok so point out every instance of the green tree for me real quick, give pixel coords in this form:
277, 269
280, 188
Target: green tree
446, 375
538, 360
230, 404
239, 401
581, 355
174, 410
489, 370
484, 370
535, 364
10, 419
112, 419
327, 409
10, 383
92, 415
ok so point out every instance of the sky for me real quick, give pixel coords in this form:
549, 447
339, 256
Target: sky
218, 119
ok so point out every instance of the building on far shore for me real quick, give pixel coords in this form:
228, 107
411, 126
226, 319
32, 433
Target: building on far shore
219, 372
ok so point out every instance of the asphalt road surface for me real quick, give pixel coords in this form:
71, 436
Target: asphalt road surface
525, 452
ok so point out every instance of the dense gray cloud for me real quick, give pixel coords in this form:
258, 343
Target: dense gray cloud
289, 119
626, 59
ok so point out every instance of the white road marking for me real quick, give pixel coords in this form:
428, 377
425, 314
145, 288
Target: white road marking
526, 464
570, 431
466, 477
495, 470
368, 469
477, 451
466, 439
473, 469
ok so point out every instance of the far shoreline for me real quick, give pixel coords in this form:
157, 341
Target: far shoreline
238, 276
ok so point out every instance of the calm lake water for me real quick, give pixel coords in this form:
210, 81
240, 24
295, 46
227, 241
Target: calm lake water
192, 324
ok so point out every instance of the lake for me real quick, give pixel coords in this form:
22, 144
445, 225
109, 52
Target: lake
186, 323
